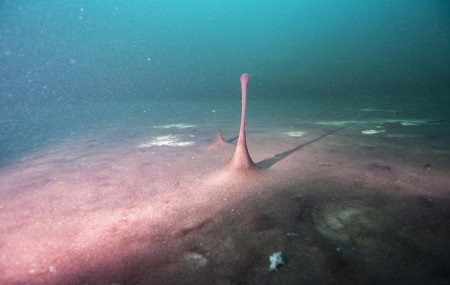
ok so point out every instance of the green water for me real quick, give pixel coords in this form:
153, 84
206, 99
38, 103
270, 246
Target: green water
70, 67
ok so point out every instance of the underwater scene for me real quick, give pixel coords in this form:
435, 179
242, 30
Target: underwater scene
224, 142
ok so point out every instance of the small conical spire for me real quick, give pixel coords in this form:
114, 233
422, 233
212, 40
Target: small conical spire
219, 141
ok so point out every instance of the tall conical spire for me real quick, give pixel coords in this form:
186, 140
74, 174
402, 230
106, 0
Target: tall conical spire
241, 160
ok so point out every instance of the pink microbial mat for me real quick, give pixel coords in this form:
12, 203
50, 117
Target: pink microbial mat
344, 202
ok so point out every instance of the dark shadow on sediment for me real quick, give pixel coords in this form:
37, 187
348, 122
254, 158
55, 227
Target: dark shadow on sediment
232, 139
269, 162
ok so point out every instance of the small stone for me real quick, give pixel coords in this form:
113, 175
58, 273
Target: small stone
275, 261
196, 259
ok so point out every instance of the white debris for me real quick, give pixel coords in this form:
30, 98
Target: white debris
52, 269
275, 261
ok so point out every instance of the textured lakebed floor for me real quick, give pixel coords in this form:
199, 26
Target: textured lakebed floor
122, 207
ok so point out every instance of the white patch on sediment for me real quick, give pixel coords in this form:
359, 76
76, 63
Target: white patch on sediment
174, 126
377, 110
403, 136
169, 140
372, 110
338, 123
405, 123
372, 132
442, 151
294, 133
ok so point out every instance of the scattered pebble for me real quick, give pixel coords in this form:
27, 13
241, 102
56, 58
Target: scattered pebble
196, 259
275, 261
